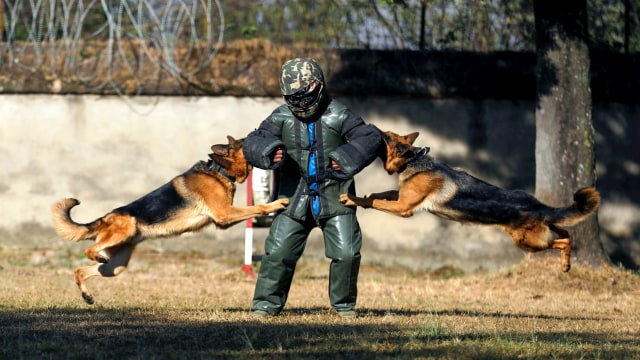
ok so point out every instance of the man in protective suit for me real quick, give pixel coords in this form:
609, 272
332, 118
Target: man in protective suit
317, 145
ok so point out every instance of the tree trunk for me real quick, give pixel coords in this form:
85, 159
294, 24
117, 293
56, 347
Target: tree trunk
1, 21
565, 137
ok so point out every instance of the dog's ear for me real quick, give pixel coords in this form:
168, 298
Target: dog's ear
235, 144
220, 155
411, 137
220, 150
405, 151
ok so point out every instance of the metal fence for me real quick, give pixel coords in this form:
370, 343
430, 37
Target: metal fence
95, 41
132, 46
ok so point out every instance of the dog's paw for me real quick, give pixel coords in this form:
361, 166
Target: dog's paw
346, 200
102, 257
379, 196
282, 203
278, 205
87, 298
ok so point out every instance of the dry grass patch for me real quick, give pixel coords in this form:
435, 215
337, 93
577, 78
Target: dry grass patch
187, 306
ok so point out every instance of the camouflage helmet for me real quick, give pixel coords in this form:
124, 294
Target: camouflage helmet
302, 85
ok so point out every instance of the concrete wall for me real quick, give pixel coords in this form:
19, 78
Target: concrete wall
107, 151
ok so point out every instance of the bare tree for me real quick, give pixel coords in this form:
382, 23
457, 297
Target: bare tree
565, 137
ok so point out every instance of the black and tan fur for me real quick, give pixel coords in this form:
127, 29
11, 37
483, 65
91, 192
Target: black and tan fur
200, 196
428, 184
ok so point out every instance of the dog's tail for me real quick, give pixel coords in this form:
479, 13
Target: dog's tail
66, 227
586, 202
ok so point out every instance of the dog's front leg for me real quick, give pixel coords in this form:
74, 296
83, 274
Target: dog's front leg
386, 195
352, 200
403, 206
234, 214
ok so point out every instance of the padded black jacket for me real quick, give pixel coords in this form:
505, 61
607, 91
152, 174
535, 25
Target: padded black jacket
340, 135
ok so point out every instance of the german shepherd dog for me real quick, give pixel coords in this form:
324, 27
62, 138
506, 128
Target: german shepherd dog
200, 196
428, 184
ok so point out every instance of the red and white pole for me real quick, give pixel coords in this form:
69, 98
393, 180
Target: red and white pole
248, 233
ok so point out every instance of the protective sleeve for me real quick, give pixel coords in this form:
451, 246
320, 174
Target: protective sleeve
360, 149
261, 144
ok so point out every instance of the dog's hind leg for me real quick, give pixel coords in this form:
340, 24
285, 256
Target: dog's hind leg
81, 275
564, 244
539, 236
117, 229
119, 260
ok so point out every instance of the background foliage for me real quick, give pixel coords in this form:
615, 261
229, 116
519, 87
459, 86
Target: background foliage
362, 24
133, 46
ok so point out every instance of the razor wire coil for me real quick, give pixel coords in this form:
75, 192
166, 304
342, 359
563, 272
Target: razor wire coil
99, 43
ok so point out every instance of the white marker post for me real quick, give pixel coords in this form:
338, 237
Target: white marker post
248, 233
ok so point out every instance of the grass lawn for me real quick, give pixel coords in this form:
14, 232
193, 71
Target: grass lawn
186, 306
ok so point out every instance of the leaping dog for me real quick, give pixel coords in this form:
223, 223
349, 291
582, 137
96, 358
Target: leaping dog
429, 184
200, 196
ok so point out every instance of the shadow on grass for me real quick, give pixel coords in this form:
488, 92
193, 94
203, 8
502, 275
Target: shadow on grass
454, 312
190, 334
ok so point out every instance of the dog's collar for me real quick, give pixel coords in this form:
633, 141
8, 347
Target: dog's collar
421, 151
214, 166
419, 156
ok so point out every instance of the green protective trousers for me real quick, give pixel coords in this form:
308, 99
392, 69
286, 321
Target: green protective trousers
284, 246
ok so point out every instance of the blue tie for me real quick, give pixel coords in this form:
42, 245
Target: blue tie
315, 201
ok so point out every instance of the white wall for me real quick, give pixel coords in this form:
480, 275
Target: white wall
108, 151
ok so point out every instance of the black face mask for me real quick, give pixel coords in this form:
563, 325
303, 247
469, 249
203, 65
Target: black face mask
304, 98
